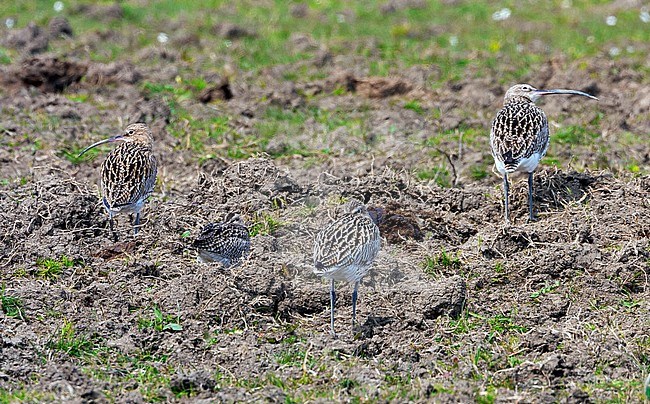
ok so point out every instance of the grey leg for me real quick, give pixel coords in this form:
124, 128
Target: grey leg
333, 302
112, 226
110, 218
355, 293
530, 196
506, 189
136, 227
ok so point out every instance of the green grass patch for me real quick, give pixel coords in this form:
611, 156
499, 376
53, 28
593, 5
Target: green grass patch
414, 106
159, 321
576, 135
544, 290
52, 268
148, 373
11, 306
72, 344
502, 323
441, 263
439, 175
264, 223
25, 395
78, 97
478, 172
5, 59
72, 154
389, 41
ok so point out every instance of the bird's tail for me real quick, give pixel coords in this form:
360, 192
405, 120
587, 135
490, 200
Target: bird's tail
319, 267
510, 164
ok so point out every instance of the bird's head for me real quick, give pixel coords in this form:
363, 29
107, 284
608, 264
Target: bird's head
355, 207
134, 133
522, 91
234, 218
532, 94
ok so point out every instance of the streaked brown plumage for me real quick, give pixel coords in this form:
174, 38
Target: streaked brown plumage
520, 136
227, 242
129, 172
345, 251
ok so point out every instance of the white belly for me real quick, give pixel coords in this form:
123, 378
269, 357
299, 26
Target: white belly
526, 165
349, 273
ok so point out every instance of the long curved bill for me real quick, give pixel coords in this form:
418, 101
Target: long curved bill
563, 91
110, 139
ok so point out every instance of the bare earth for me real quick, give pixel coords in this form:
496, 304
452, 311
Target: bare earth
554, 310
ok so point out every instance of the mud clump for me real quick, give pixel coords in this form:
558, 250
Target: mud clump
100, 74
192, 382
382, 87
396, 226
102, 12
232, 31
218, 91
369, 87
59, 27
51, 74
30, 40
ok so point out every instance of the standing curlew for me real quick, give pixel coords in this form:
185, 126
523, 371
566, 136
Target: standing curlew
128, 173
345, 250
520, 137
225, 242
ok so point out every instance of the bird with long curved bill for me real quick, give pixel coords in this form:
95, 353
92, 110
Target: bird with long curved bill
344, 251
520, 136
128, 174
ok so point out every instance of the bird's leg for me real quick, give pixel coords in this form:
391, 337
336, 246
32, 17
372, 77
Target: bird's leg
332, 302
112, 226
506, 188
530, 196
355, 293
136, 226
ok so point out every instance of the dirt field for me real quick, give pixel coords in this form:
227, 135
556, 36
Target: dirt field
458, 308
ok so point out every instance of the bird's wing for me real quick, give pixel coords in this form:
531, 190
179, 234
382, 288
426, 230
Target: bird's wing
518, 131
128, 175
346, 243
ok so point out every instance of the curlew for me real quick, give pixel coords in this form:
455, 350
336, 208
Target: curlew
345, 250
520, 136
226, 242
128, 173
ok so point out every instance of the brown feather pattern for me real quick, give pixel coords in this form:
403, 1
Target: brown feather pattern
519, 130
346, 248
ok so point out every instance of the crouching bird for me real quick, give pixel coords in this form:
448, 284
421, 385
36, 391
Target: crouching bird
226, 242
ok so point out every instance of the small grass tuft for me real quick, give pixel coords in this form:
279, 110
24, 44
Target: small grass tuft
434, 264
51, 268
11, 306
70, 343
72, 155
264, 223
439, 175
478, 172
546, 289
348, 384
414, 106
160, 321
